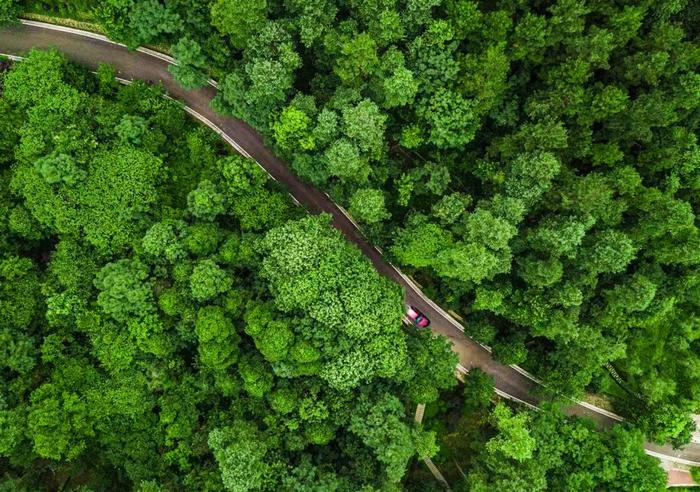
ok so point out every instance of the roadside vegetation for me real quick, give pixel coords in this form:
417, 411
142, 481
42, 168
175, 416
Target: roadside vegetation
170, 319
535, 165
485, 446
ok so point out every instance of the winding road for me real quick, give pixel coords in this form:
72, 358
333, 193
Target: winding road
90, 49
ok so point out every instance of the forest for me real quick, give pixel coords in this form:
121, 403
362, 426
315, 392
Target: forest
486, 447
170, 320
534, 164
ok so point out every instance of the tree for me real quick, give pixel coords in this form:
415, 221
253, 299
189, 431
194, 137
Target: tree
202, 239
540, 272
358, 59
239, 19
365, 126
20, 308
107, 78
292, 130
381, 426
531, 38
326, 129
208, 280
450, 207
228, 99
257, 378
32, 82
241, 175
205, 202
125, 292
218, 340
18, 351
259, 87
150, 335
400, 89
514, 440
18, 292
273, 337
344, 161
150, 18
420, 242
164, 240
59, 423
191, 70
269, 82
609, 252
478, 390
131, 128
9, 11
668, 423
109, 211
492, 231
531, 175
432, 367
284, 400
466, 261
367, 205
313, 18
240, 452
450, 119
311, 270
558, 235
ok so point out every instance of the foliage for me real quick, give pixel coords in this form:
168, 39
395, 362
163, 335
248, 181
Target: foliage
379, 426
191, 68
348, 301
238, 18
169, 320
240, 452
534, 165
368, 205
9, 11
526, 162
486, 445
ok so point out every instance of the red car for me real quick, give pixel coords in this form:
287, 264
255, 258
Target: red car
419, 319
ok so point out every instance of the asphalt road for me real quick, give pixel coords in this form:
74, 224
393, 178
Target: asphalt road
89, 49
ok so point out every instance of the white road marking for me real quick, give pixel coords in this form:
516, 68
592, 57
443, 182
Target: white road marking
503, 394
519, 369
70, 30
674, 459
596, 409
347, 215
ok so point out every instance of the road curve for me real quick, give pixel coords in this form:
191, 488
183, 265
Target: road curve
90, 49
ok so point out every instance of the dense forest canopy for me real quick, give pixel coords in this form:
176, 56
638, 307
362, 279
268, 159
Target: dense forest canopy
533, 163
170, 319
485, 447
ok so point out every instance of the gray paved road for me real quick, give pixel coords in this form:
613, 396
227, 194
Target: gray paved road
131, 65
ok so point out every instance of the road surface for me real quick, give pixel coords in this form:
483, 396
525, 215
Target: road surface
90, 49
